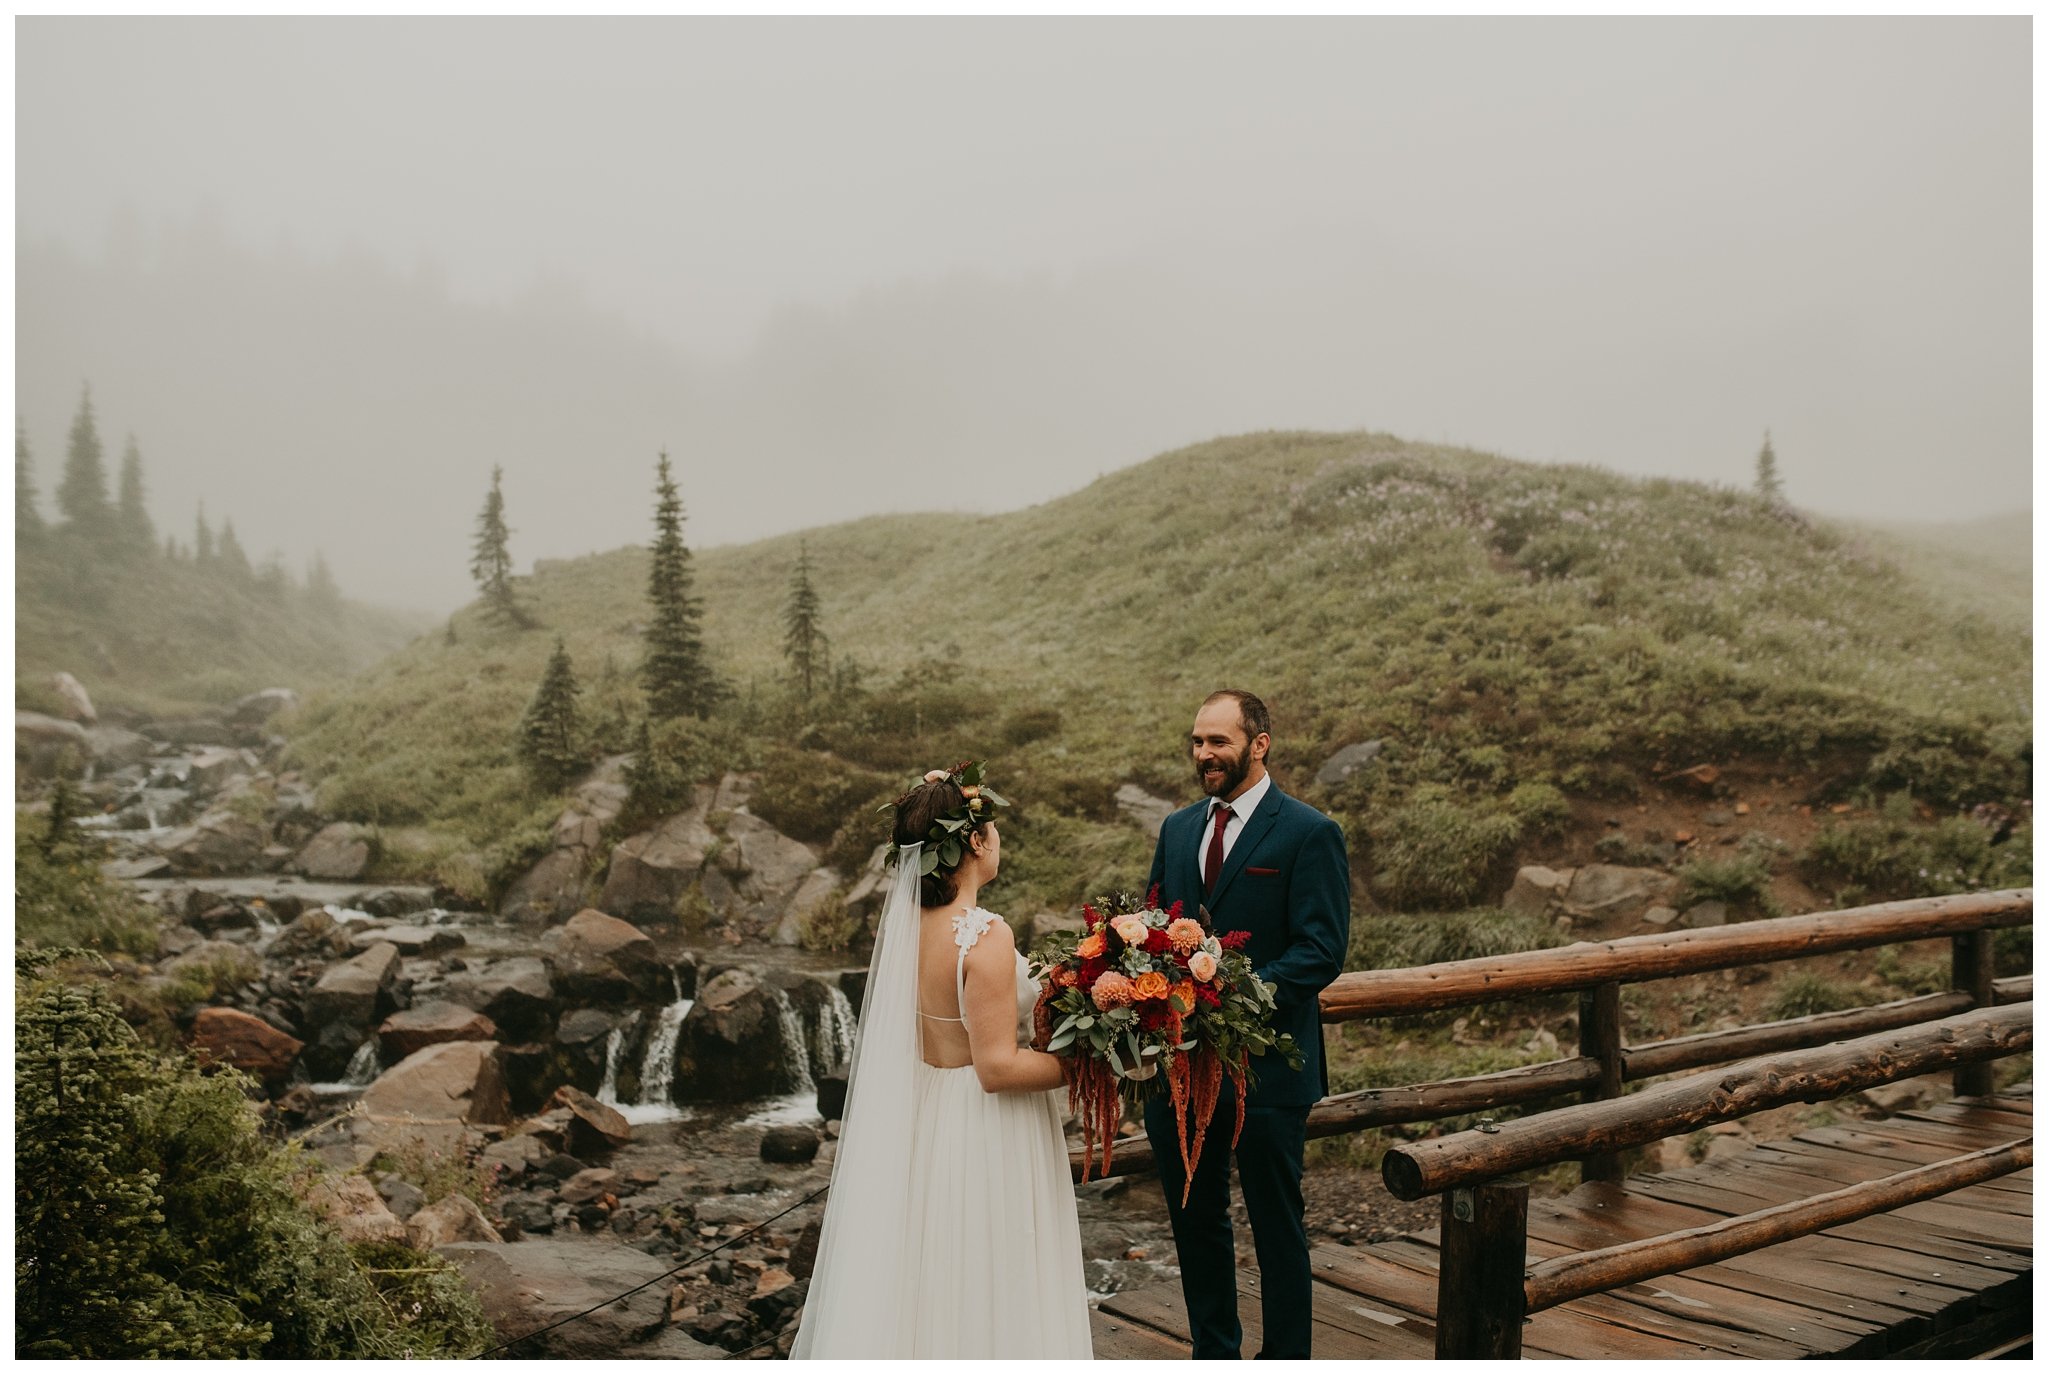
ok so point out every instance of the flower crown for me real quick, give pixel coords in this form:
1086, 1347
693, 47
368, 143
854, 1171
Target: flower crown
945, 844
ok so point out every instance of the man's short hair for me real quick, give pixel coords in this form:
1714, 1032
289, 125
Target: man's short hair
1251, 712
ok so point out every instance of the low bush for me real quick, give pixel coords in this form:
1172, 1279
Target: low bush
1434, 853
1742, 881
1804, 995
61, 898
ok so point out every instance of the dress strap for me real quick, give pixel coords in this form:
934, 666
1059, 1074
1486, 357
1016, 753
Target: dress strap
968, 927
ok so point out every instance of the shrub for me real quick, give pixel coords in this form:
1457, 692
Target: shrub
809, 796
1889, 856
62, 899
1804, 995
1741, 881
152, 1219
1391, 941
1432, 854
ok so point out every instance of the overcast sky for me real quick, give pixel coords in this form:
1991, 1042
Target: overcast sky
841, 253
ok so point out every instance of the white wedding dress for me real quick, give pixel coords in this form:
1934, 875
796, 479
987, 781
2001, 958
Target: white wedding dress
951, 1230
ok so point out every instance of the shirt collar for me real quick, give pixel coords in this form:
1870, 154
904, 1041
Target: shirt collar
1247, 802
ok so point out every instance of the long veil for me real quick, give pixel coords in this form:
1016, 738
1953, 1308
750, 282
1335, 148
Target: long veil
859, 1299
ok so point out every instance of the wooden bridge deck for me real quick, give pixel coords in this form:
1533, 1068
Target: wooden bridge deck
1950, 1277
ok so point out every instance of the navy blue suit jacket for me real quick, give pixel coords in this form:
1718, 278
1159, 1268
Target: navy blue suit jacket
1288, 882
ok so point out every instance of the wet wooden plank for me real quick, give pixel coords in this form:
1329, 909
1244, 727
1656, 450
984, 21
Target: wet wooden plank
1117, 1338
1343, 1331
1825, 1173
1944, 1236
1833, 1141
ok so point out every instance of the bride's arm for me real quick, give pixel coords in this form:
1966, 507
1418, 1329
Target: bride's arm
1000, 1063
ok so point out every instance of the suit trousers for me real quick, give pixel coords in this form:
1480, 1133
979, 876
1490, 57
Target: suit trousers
1269, 1177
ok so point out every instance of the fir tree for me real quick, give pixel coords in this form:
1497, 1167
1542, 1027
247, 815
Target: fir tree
230, 553
138, 533
803, 641
1769, 485
678, 678
29, 525
321, 589
202, 539
82, 493
490, 561
548, 731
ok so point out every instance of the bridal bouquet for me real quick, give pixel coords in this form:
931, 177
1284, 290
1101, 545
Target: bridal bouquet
1149, 1001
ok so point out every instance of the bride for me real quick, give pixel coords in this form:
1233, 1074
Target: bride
950, 1230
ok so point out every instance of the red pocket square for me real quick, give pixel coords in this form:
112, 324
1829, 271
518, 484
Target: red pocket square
1262, 873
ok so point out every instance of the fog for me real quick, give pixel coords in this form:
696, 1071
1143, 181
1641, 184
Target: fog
329, 272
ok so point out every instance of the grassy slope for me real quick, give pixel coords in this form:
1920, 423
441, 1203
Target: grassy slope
1497, 622
167, 637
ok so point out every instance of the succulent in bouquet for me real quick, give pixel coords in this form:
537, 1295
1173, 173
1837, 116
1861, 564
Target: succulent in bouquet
1148, 1002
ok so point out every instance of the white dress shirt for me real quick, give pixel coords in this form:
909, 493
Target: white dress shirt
1240, 811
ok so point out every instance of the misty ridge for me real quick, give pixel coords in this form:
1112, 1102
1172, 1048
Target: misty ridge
356, 406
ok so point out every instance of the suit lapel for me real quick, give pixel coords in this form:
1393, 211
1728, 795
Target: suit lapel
1255, 828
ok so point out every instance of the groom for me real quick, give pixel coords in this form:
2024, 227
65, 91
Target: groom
1264, 863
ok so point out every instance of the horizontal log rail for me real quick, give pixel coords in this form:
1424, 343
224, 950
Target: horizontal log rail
1417, 1169
2019, 989
1663, 955
1565, 1278
1797, 1033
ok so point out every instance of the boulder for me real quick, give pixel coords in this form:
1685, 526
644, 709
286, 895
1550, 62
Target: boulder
588, 1186
455, 1218
789, 1145
593, 1127
516, 1156
115, 748
1147, 811
46, 745
1349, 762
528, 1285
356, 992
402, 1196
340, 852
1535, 888
832, 1092
77, 705
443, 1087
735, 790
206, 955
813, 897
733, 1045
211, 770
142, 866
225, 1036
355, 1208
413, 940
549, 891
1610, 890
1705, 914
865, 897
651, 871
516, 993
259, 707
220, 842
775, 862
313, 932
602, 959
430, 1024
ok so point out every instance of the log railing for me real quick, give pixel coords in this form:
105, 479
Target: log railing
1597, 969
1485, 1287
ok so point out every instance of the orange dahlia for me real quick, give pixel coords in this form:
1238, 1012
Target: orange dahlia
1066, 977
1185, 934
1184, 996
1151, 984
1111, 990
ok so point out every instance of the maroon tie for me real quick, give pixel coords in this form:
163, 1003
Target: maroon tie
1215, 864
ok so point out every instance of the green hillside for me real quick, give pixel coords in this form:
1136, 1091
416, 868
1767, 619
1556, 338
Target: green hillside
161, 636
1524, 638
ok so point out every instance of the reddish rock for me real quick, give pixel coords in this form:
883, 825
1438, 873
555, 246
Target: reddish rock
592, 1125
455, 1218
431, 1024
353, 1205
222, 1035
592, 955
454, 1082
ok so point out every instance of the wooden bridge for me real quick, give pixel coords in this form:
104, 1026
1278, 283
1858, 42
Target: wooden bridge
1910, 1236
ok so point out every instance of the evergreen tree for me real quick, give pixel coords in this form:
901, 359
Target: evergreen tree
230, 553
803, 641
678, 678
29, 525
548, 732
1769, 485
202, 539
321, 589
490, 561
137, 531
82, 493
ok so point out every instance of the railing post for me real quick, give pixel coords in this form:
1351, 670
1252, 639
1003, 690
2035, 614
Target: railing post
1600, 1039
1479, 1289
1971, 972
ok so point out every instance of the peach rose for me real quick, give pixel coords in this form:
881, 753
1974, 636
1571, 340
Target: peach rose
1092, 946
1151, 984
1202, 965
1131, 928
1111, 990
1185, 933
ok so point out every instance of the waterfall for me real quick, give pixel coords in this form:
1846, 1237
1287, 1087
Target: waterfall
614, 1046
832, 1039
658, 1068
362, 1068
795, 1051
